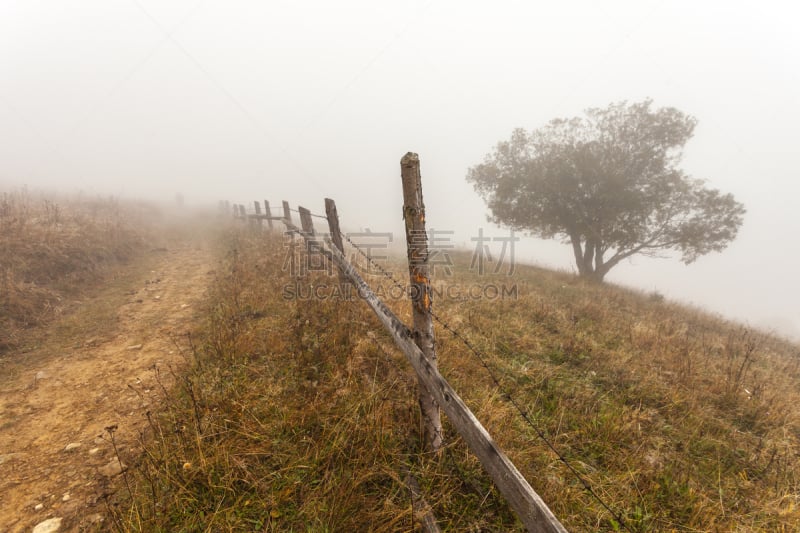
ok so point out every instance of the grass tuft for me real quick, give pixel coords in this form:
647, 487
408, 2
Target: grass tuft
297, 414
52, 248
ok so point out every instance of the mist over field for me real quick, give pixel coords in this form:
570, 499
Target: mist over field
246, 101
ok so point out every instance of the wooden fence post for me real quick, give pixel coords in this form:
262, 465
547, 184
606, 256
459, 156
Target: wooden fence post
529, 506
305, 220
420, 507
287, 213
312, 250
421, 294
336, 236
287, 221
259, 221
268, 212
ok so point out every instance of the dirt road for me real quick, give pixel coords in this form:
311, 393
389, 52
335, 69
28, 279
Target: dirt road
92, 370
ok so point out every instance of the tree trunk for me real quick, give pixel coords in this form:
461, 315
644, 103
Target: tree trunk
588, 256
575, 239
598, 258
601, 268
599, 262
597, 275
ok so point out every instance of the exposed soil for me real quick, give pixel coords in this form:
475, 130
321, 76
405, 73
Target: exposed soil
91, 371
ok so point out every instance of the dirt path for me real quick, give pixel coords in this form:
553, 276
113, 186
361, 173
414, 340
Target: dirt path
57, 399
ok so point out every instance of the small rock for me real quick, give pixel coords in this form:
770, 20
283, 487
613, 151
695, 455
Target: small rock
65, 497
112, 468
184, 306
72, 446
38, 507
94, 451
156, 297
48, 526
41, 375
90, 342
135, 347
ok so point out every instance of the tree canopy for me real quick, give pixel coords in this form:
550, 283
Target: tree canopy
608, 183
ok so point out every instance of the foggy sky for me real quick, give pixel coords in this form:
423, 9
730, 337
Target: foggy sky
246, 100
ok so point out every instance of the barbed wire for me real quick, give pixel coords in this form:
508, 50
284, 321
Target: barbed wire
504, 393
310, 213
382, 270
525, 416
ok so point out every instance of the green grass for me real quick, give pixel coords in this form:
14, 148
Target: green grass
299, 415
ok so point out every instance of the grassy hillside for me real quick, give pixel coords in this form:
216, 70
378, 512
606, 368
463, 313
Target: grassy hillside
53, 248
299, 415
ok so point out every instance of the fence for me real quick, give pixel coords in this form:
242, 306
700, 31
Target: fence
417, 343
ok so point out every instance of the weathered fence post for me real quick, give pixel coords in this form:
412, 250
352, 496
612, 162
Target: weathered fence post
421, 295
529, 506
305, 220
268, 212
336, 236
287, 221
315, 260
287, 213
257, 205
333, 224
420, 508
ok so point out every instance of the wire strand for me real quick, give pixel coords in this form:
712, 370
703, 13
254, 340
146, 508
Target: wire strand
504, 393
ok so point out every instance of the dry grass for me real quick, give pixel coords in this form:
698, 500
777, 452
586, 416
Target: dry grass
679, 420
298, 415
53, 248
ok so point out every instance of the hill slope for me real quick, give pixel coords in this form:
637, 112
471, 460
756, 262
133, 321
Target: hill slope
298, 414
52, 249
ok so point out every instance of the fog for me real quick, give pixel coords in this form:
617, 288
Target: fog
247, 100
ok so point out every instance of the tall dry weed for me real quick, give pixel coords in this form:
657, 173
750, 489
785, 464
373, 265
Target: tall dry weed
51, 248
